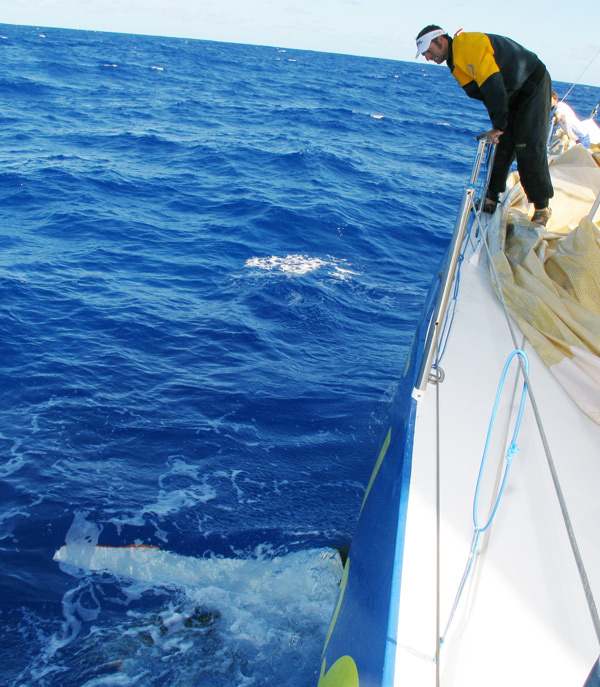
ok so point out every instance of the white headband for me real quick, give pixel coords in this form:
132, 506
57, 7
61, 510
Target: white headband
424, 41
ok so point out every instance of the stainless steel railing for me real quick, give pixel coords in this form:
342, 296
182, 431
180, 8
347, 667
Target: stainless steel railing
452, 259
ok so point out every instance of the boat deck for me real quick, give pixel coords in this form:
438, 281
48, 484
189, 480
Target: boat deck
524, 597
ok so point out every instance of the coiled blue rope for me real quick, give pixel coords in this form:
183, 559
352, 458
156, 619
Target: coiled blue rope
512, 449
510, 453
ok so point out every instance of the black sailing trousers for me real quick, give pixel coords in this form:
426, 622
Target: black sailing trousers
526, 138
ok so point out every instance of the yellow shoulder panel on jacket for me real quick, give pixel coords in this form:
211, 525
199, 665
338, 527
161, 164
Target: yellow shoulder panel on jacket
473, 56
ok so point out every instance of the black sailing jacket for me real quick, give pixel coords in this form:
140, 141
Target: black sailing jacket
492, 69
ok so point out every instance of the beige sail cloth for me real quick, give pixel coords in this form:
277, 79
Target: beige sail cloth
550, 278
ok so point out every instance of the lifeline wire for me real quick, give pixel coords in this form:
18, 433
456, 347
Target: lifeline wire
582, 73
438, 515
439, 348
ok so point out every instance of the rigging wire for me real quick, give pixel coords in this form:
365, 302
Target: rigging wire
579, 78
438, 526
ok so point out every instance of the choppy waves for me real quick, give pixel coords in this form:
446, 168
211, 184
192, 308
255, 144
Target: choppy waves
302, 264
213, 259
212, 264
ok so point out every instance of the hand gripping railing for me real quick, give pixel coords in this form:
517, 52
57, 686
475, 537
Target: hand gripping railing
449, 272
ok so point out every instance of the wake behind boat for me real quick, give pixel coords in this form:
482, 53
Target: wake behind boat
475, 558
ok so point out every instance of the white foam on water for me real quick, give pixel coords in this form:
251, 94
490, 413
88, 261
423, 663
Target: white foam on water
6, 515
182, 487
117, 680
255, 621
293, 264
17, 461
276, 576
301, 264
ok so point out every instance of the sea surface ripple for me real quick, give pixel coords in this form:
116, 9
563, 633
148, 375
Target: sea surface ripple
213, 257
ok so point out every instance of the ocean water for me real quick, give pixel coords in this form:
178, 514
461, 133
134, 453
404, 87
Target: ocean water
213, 258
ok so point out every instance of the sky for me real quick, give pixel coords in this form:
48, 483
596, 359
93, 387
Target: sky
370, 28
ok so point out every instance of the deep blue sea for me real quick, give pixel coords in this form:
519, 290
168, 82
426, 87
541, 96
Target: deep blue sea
213, 258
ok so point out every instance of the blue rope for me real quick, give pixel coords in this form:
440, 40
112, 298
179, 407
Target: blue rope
510, 453
512, 449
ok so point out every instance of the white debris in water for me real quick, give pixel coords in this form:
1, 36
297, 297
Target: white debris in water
298, 570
